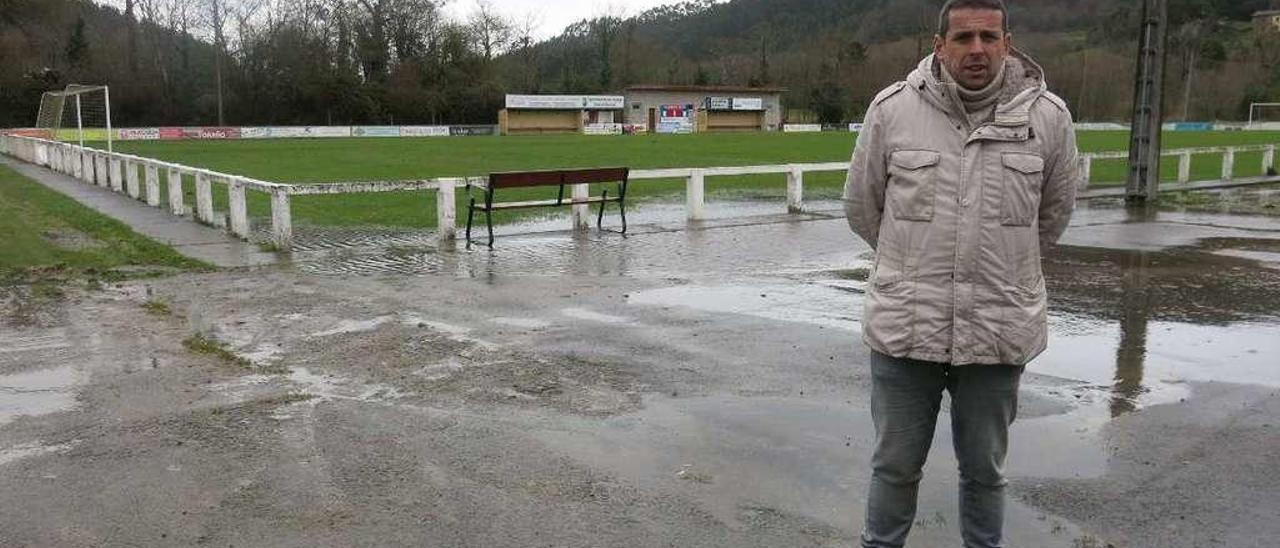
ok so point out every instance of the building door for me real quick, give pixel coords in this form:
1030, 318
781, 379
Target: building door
653, 120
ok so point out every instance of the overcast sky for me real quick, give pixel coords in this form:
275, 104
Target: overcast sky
553, 16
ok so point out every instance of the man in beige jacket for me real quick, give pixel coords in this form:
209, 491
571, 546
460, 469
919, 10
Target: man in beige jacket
963, 175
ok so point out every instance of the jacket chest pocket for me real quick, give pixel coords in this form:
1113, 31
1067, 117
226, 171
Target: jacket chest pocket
913, 178
1022, 177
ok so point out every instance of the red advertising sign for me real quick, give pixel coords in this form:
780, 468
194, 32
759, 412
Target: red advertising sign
38, 133
170, 133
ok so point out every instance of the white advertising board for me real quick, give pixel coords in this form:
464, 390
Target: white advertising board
748, 103
566, 102
424, 131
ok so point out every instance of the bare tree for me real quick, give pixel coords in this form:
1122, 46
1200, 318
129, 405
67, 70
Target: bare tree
492, 32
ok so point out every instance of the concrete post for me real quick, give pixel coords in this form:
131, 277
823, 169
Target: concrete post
694, 195
1269, 159
100, 169
204, 198
153, 185
446, 214
581, 212
1086, 171
131, 179
1184, 167
239, 209
86, 167
1228, 164
795, 190
117, 173
281, 220
175, 192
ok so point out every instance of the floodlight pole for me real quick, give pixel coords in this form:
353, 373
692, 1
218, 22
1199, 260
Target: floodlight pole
1148, 101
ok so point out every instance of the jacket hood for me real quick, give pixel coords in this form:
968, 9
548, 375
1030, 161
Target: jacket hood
1024, 83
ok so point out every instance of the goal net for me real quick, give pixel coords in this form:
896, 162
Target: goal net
78, 113
1264, 116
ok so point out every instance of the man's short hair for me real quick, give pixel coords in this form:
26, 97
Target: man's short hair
944, 17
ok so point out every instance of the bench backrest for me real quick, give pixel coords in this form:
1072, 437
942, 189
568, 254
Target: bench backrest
558, 177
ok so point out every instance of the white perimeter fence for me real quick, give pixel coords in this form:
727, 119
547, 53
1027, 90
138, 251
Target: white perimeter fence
140, 179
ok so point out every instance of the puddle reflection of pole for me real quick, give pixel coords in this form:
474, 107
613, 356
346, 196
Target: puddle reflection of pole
1135, 314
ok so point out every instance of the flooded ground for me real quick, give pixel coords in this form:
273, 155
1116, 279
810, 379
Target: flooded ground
683, 385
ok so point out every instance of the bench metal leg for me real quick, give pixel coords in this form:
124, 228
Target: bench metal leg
471, 211
604, 199
488, 217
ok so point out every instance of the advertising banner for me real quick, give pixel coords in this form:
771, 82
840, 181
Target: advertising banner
424, 131
35, 133
288, 132
472, 131
140, 134
375, 131
675, 119
719, 103
604, 102
1101, 126
802, 128
170, 133
855, 127
327, 131
748, 103
255, 132
602, 129
219, 133
566, 102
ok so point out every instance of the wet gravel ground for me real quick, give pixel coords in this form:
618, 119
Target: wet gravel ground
680, 386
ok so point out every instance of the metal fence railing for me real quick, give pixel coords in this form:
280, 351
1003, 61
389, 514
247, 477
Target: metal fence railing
140, 178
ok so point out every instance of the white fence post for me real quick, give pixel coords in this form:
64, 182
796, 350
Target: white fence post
100, 170
795, 189
204, 198
86, 166
581, 212
446, 214
1086, 171
117, 173
1269, 159
131, 179
239, 209
694, 195
1184, 167
1228, 164
175, 192
153, 185
281, 220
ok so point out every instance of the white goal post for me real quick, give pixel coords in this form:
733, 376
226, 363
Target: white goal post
1258, 121
78, 106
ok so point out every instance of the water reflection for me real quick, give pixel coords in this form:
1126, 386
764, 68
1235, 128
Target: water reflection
1135, 315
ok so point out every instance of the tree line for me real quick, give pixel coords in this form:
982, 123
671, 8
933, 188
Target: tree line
287, 62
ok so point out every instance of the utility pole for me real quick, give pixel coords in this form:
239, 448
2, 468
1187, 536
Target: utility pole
1148, 101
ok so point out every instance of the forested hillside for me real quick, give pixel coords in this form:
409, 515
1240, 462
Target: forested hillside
246, 62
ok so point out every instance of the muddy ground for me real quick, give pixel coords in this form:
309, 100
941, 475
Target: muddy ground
700, 386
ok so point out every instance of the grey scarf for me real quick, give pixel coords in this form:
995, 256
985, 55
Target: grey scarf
979, 104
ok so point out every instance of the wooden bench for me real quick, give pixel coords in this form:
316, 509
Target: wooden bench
558, 178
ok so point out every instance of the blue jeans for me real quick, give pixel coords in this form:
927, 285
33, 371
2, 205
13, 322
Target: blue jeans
905, 398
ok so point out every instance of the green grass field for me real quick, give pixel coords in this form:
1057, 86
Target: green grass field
332, 160
48, 235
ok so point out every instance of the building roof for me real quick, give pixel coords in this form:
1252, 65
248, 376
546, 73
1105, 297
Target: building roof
707, 89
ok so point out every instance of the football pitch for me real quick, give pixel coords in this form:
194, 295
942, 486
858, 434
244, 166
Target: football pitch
373, 159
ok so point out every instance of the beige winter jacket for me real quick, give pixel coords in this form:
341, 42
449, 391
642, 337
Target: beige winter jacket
959, 216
